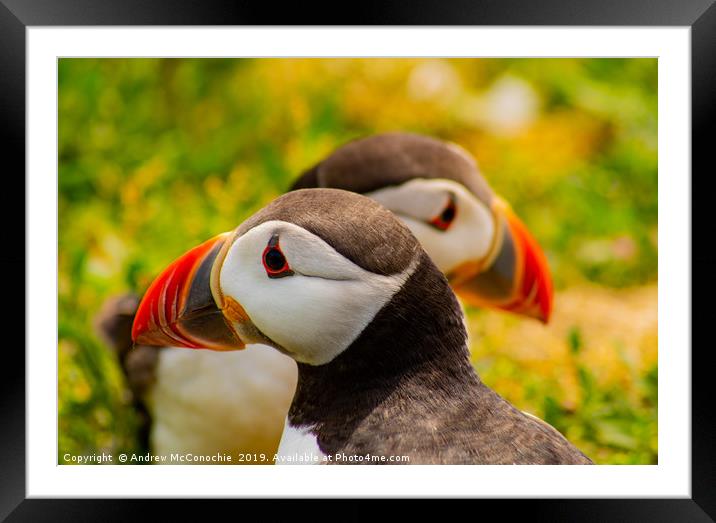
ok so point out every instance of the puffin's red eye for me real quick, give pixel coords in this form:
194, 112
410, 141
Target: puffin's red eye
443, 220
274, 260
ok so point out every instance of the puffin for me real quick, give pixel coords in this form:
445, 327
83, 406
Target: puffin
336, 282
437, 190
204, 401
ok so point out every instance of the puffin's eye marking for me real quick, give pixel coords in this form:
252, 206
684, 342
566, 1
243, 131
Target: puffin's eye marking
274, 260
443, 220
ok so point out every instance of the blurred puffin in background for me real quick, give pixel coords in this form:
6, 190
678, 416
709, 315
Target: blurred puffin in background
436, 189
337, 283
206, 401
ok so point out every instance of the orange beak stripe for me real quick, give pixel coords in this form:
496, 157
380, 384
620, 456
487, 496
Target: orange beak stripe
535, 294
514, 277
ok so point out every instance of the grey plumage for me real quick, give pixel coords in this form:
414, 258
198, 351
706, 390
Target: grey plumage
358, 228
382, 160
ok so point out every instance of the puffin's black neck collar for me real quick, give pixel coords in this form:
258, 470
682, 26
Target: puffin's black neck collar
418, 335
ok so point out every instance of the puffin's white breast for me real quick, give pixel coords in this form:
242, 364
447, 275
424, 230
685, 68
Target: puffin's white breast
299, 446
206, 402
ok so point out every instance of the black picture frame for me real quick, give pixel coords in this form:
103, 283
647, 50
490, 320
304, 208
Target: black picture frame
17, 15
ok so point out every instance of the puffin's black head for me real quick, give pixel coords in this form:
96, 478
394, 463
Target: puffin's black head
436, 189
307, 274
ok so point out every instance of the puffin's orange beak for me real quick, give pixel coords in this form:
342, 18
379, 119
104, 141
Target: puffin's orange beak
516, 279
180, 307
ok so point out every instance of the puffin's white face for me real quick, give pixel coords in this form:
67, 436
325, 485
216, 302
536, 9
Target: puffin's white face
484, 249
310, 300
278, 279
452, 225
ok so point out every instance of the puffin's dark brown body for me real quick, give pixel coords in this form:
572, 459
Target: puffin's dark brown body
406, 387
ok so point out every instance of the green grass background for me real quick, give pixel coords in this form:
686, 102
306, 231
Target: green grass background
157, 155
